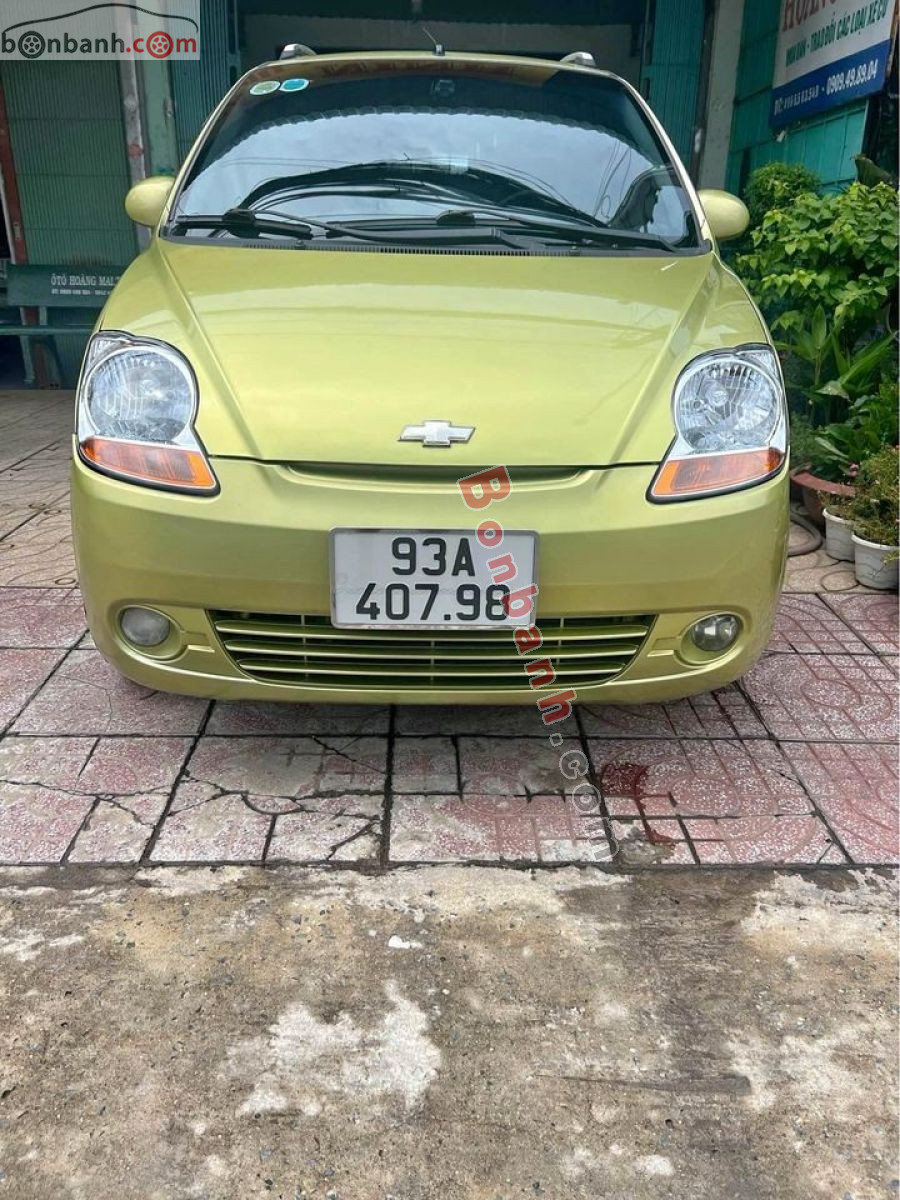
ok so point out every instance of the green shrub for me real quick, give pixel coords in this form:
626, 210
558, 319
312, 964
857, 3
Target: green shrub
804, 447
875, 508
838, 252
775, 186
871, 423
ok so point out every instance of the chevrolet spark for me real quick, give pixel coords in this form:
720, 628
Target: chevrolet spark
431, 386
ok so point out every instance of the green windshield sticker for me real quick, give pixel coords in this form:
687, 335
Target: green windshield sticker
263, 88
294, 85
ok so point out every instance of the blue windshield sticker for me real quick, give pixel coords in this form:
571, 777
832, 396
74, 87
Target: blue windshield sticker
264, 88
294, 85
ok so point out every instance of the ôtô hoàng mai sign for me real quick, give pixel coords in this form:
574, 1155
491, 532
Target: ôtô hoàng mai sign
829, 52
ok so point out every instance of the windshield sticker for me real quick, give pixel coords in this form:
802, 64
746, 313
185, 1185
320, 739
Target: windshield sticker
263, 88
294, 85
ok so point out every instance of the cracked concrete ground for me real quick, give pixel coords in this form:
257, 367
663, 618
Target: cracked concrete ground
447, 1032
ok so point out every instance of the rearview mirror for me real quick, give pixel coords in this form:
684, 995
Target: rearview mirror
146, 200
727, 214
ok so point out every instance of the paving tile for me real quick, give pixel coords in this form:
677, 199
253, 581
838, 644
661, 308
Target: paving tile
512, 766
856, 789
779, 840
807, 625
87, 695
693, 778
451, 719
40, 553
21, 673
121, 767
55, 782
26, 438
37, 824
277, 774
331, 829
51, 762
825, 697
541, 829
724, 713
118, 831
212, 829
650, 842
818, 572
237, 718
424, 764
41, 617
873, 617
13, 516
38, 482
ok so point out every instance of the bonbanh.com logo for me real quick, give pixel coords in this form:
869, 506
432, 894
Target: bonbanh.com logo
114, 29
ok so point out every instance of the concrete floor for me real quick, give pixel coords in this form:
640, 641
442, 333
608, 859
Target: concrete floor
470, 990
447, 1033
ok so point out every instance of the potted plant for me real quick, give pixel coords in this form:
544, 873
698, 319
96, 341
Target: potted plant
874, 512
838, 529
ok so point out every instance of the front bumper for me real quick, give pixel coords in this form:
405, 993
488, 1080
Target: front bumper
261, 546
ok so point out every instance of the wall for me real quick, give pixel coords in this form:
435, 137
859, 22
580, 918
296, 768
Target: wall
826, 144
723, 71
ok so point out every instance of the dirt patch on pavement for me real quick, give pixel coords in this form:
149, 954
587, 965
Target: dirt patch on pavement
444, 1033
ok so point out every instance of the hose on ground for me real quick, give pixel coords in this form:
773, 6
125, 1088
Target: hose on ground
813, 542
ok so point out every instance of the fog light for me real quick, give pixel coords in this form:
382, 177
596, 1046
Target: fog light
144, 626
715, 633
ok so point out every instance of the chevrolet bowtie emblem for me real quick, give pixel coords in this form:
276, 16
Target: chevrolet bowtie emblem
437, 433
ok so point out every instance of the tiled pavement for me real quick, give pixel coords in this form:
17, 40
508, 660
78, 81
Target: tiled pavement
796, 764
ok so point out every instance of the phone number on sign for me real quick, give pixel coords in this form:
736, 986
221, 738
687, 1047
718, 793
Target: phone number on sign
852, 77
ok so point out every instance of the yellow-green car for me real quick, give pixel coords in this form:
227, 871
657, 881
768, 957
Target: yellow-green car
377, 275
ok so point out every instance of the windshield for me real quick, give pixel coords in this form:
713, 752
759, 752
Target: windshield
519, 154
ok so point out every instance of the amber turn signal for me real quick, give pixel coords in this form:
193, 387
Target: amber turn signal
144, 462
702, 473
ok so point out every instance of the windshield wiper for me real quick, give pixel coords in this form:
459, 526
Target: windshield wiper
577, 232
244, 223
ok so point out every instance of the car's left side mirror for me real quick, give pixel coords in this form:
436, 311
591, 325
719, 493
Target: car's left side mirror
727, 214
147, 199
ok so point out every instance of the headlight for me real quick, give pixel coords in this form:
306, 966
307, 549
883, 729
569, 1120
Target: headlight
730, 422
136, 406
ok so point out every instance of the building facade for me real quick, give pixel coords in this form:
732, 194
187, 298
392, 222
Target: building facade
75, 135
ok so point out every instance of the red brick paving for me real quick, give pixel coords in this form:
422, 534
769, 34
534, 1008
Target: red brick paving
831, 697
856, 788
871, 617
806, 624
491, 828
795, 765
724, 713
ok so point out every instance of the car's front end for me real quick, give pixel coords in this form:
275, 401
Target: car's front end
273, 424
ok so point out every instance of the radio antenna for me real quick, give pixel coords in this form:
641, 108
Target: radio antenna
438, 48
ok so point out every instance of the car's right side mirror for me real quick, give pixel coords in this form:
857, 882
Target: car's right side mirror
147, 199
727, 214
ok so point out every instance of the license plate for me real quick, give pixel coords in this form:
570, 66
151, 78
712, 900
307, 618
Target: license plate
427, 579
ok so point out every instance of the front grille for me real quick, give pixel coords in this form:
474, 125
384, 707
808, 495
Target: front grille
310, 651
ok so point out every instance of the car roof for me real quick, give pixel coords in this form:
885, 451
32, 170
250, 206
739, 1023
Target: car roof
427, 55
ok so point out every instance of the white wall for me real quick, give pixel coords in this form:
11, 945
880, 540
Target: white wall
726, 50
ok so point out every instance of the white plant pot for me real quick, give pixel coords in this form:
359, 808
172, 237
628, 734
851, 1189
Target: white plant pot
838, 538
871, 569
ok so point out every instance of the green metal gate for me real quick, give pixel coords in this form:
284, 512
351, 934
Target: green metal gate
671, 70
199, 85
68, 143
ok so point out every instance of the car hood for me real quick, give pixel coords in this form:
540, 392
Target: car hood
325, 356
